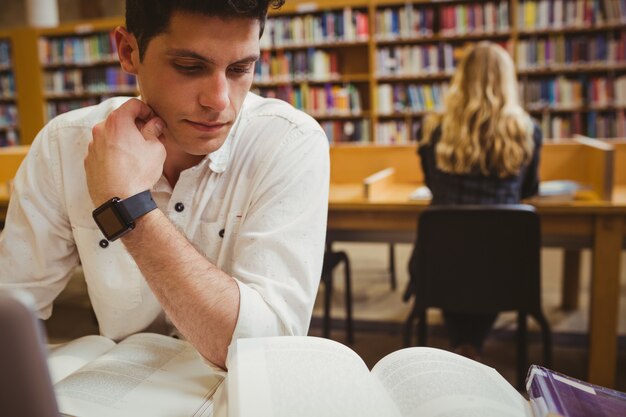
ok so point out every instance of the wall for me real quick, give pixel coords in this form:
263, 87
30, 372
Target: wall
13, 12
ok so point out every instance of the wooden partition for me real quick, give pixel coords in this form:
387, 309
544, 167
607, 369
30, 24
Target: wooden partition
619, 170
619, 177
587, 161
10, 160
350, 164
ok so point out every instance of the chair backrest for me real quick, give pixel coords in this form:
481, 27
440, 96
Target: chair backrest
478, 259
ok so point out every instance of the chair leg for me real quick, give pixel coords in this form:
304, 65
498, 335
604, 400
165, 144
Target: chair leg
348, 290
522, 349
422, 335
408, 327
328, 289
392, 266
546, 340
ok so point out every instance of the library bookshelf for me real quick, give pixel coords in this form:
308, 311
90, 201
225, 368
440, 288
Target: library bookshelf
66, 67
370, 70
570, 56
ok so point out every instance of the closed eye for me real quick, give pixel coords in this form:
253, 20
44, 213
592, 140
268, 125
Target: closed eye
241, 69
188, 69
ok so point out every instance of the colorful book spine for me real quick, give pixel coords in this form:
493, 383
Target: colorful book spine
344, 25
347, 131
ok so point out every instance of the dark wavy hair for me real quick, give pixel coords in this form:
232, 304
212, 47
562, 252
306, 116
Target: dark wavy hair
148, 18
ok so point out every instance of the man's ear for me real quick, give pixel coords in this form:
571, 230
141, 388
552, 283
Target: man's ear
127, 50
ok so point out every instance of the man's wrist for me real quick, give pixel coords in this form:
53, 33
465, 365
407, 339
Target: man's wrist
116, 217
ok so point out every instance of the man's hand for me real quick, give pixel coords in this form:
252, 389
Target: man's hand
126, 155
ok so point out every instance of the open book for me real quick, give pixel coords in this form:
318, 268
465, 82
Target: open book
144, 375
310, 376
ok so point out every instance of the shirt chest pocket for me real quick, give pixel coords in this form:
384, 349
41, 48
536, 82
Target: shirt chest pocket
111, 274
218, 240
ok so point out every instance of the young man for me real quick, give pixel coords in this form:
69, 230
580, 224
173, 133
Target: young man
241, 183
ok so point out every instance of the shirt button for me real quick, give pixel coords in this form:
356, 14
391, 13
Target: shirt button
104, 243
179, 207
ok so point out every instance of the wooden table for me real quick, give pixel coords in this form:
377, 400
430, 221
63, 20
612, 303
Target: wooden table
599, 226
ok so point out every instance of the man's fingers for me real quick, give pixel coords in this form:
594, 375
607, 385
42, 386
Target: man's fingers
153, 129
136, 109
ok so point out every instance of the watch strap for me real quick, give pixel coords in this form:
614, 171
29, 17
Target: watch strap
139, 204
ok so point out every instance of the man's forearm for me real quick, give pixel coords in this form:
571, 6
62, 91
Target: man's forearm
201, 300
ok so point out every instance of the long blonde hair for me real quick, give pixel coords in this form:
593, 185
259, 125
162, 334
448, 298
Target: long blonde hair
483, 126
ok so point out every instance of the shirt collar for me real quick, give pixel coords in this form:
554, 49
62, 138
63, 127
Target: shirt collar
219, 159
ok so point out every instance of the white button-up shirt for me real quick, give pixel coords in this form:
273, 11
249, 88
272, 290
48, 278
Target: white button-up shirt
256, 208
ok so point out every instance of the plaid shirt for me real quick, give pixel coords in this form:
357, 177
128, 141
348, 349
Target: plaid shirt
476, 188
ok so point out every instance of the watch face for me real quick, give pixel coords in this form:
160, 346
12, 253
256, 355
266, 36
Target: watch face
110, 221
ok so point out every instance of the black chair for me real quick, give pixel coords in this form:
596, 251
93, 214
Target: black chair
479, 259
332, 259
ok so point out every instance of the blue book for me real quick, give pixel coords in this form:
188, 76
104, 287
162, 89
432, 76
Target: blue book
591, 124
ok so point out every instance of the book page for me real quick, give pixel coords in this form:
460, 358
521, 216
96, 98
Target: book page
67, 358
304, 377
429, 382
146, 374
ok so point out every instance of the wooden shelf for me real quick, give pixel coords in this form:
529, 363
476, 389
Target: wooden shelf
442, 76
569, 30
405, 114
573, 69
356, 78
575, 109
90, 94
320, 45
328, 116
443, 38
64, 65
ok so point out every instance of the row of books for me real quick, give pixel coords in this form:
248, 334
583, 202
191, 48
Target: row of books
8, 115
412, 98
416, 60
71, 50
570, 51
480, 17
9, 137
558, 14
406, 22
345, 25
91, 80
606, 125
617, 91
395, 132
7, 85
592, 124
5, 53
343, 131
297, 66
54, 108
559, 93
326, 100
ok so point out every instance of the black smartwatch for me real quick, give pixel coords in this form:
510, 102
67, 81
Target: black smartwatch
117, 217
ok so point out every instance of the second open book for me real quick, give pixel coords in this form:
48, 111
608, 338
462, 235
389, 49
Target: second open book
310, 376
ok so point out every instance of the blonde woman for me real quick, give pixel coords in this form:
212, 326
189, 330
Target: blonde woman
483, 149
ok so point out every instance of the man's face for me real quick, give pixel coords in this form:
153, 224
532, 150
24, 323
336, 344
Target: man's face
196, 75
